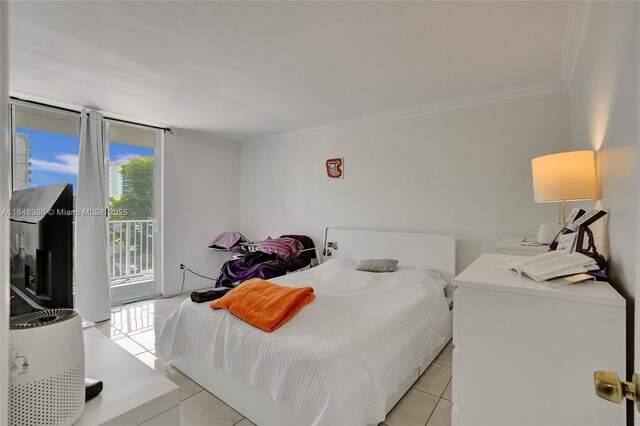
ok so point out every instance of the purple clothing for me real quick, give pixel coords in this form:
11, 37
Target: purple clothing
235, 271
284, 248
228, 241
307, 244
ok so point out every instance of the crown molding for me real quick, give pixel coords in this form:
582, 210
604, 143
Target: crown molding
542, 88
202, 136
578, 20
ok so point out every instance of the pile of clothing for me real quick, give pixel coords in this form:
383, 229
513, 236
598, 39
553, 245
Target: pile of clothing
273, 257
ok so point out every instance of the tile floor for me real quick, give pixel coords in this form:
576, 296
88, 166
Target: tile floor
136, 326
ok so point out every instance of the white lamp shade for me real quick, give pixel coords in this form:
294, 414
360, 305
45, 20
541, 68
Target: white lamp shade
564, 176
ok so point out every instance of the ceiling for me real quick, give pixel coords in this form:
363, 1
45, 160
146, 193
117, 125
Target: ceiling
242, 70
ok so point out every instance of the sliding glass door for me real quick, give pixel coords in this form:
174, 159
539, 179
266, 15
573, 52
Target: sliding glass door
133, 169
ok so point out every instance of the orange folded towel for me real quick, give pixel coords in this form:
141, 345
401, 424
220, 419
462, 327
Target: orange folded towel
263, 304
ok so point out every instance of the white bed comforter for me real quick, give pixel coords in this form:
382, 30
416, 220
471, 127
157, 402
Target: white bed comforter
340, 358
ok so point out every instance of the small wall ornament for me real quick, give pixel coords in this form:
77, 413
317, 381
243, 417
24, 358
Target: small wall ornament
335, 168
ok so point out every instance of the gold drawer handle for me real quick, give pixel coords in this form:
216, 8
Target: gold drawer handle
609, 387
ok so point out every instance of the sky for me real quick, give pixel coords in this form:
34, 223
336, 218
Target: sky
54, 157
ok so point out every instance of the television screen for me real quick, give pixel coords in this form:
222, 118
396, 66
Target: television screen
41, 241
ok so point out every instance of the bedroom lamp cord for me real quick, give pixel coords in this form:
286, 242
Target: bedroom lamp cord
184, 274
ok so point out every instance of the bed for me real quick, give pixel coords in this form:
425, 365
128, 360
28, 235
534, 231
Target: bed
347, 357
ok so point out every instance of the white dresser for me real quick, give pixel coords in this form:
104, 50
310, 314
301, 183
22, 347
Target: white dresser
525, 353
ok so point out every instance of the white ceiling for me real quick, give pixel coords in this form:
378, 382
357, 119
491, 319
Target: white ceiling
242, 70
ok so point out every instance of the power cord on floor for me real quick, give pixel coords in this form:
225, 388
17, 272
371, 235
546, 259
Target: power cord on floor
184, 268
184, 276
113, 311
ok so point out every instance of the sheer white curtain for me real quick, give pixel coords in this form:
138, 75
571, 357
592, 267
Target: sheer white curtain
93, 294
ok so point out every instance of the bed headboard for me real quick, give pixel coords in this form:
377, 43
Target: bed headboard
432, 250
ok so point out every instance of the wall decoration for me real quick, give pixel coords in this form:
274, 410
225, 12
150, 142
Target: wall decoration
335, 168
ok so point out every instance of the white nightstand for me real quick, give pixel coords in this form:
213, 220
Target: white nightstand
513, 246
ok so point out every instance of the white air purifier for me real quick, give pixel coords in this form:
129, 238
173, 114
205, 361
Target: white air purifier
46, 368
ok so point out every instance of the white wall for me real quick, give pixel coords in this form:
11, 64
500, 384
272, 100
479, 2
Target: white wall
202, 200
603, 118
465, 172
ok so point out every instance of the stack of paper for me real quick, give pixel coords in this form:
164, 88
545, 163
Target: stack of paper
553, 264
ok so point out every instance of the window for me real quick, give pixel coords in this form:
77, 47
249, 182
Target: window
45, 144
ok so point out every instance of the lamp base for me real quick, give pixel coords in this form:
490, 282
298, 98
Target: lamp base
562, 214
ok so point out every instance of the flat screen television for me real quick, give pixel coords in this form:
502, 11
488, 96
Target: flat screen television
41, 241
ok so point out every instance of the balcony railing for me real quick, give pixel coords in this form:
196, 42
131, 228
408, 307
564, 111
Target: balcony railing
130, 249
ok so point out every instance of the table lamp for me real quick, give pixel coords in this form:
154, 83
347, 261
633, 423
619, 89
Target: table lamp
562, 177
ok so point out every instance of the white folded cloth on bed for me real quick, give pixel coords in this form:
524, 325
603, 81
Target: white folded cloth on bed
342, 356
